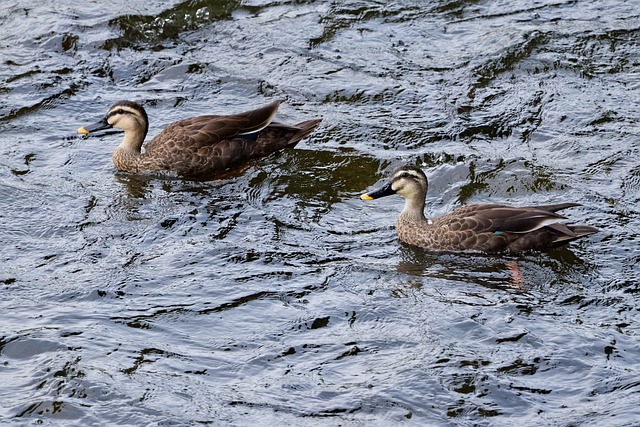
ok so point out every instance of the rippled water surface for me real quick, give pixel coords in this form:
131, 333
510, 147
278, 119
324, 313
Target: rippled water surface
276, 297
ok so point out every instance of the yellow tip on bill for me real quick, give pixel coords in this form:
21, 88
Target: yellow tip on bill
83, 131
366, 197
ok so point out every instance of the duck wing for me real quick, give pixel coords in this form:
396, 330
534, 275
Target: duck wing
516, 220
206, 146
202, 131
483, 218
491, 228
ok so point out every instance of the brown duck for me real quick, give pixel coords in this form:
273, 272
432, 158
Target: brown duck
204, 146
480, 227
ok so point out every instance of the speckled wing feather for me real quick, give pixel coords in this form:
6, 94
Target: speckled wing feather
213, 144
492, 228
208, 130
491, 218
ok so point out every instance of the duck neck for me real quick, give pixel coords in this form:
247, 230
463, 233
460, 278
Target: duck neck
127, 154
414, 210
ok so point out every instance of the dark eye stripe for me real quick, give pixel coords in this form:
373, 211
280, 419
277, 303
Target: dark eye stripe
119, 111
407, 175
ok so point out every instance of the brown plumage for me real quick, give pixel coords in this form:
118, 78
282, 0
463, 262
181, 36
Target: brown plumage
480, 227
201, 147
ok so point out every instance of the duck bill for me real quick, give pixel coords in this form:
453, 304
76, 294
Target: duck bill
386, 190
102, 124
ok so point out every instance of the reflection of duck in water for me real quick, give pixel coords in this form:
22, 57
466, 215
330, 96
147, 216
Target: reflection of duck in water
480, 227
203, 146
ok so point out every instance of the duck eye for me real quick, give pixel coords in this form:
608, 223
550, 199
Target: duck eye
121, 111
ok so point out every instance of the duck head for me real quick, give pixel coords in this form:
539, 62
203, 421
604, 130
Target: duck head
408, 181
126, 115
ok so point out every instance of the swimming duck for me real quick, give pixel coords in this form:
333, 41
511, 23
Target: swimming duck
203, 146
480, 227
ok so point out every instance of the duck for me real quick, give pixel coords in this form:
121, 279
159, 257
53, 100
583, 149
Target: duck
199, 147
484, 228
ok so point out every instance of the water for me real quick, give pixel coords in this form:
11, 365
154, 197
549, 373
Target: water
277, 297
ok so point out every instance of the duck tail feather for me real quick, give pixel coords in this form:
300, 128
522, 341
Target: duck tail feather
304, 129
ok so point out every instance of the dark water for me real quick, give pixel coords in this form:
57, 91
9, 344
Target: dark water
278, 297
